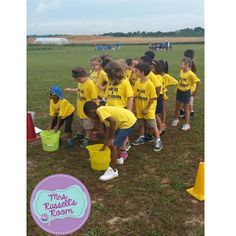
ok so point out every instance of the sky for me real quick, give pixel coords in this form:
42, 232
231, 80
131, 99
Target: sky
86, 17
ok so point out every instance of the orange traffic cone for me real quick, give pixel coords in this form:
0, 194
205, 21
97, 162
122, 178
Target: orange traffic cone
31, 135
198, 190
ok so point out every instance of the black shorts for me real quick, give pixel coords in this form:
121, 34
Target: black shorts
68, 122
183, 96
159, 107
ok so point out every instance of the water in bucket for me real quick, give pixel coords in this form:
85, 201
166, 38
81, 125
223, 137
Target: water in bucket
50, 140
100, 160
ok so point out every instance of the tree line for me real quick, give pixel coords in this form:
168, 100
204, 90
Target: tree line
188, 32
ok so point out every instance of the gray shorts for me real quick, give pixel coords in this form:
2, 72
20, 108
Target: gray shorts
86, 123
148, 123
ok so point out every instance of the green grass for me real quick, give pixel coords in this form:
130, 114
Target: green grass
149, 196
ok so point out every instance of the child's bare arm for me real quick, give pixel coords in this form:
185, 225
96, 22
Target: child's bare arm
158, 91
71, 90
130, 103
110, 133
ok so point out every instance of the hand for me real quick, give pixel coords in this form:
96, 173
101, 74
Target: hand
194, 94
49, 127
145, 111
56, 128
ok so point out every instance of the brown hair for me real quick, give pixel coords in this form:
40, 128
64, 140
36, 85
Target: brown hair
114, 73
187, 61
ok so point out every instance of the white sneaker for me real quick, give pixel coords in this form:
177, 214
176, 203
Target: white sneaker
175, 122
186, 127
120, 161
109, 174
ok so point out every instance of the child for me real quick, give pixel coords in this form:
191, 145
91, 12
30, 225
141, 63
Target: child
99, 77
187, 80
145, 106
190, 53
86, 92
133, 77
161, 68
61, 111
119, 93
120, 124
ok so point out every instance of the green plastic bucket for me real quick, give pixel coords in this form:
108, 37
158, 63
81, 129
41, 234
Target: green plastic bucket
50, 140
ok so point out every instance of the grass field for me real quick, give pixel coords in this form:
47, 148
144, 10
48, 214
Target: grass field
149, 196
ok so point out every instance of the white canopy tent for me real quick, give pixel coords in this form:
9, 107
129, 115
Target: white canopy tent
59, 41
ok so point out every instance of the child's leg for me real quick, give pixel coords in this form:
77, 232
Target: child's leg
164, 114
177, 107
159, 123
191, 104
187, 113
114, 156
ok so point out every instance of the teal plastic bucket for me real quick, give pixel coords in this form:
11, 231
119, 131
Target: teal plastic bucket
50, 140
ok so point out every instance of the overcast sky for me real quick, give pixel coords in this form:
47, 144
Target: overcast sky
102, 16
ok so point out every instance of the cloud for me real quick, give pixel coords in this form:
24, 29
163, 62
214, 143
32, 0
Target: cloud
45, 5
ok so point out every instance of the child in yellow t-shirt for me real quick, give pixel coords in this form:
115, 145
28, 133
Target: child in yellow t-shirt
86, 91
61, 111
99, 77
119, 93
187, 80
161, 68
120, 124
145, 106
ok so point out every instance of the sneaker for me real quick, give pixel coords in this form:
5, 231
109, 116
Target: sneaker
186, 127
85, 142
120, 161
175, 122
138, 141
123, 154
181, 113
109, 174
149, 138
157, 145
191, 114
128, 146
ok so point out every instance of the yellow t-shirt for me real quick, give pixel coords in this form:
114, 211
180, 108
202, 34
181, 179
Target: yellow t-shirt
187, 80
99, 78
124, 118
86, 92
167, 81
156, 79
117, 95
143, 93
63, 108
127, 74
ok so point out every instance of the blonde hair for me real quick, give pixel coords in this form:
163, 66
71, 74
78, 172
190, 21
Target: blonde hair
96, 58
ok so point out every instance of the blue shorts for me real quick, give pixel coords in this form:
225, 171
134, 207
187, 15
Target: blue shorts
122, 134
183, 96
159, 107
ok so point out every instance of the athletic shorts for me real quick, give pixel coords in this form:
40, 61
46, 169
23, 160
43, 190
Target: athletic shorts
122, 134
183, 96
68, 122
86, 123
159, 107
148, 123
